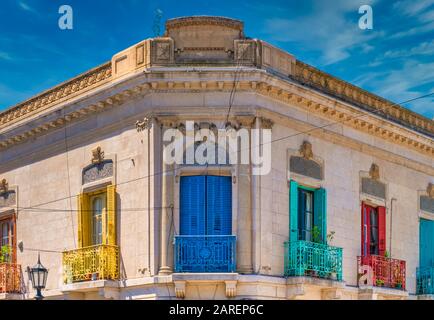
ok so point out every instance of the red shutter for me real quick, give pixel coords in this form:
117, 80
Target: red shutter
381, 230
366, 230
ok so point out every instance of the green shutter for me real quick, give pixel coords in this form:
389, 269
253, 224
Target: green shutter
293, 211
320, 212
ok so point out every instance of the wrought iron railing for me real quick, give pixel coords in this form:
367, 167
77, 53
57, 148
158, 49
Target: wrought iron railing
205, 253
382, 271
304, 258
10, 278
425, 280
100, 262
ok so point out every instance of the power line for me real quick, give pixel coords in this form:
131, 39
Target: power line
272, 141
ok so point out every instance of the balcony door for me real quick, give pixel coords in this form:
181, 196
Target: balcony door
206, 205
7, 237
426, 243
373, 230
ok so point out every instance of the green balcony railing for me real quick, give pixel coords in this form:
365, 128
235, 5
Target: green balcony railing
425, 280
304, 258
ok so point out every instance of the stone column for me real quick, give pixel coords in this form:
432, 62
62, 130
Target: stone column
244, 218
166, 219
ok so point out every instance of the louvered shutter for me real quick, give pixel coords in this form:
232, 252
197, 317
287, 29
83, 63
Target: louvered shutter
83, 221
426, 243
219, 205
110, 216
192, 205
320, 212
293, 211
381, 230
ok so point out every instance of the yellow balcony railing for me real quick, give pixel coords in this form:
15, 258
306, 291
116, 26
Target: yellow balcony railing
100, 262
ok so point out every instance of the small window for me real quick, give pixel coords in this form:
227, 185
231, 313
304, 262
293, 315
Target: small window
7, 230
305, 214
97, 216
373, 216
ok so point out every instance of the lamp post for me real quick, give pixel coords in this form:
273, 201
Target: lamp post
38, 277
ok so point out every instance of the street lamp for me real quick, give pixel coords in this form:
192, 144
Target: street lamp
38, 277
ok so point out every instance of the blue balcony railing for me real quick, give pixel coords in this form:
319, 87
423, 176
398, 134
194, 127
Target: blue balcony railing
425, 280
205, 253
305, 258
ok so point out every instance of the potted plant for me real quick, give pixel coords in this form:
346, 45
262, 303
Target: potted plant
316, 235
398, 284
379, 283
5, 254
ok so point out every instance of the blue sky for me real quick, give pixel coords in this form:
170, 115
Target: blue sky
394, 60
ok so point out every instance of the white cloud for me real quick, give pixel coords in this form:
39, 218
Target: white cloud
411, 7
425, 48
413, 31
25, 6
5, 56
325, 29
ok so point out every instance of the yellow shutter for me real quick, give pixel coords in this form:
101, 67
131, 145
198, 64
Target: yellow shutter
83, 220
111, 215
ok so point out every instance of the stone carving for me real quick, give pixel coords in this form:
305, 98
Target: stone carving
430, 190
244, 51
97, 171
374, 172
311, 76
97, 155
306, 150
231, 289
144, 124
180, 289
4, 186
267, 123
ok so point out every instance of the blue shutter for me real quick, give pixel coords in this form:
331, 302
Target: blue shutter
320, 212
293, 211
426, 243
192, 205
219, 205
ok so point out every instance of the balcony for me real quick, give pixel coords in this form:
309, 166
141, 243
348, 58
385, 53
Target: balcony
10, 278
425, 280
205, 253
100, 262
382, 271
304, 258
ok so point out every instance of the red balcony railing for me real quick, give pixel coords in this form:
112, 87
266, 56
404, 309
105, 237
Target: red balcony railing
382, 271
10, 278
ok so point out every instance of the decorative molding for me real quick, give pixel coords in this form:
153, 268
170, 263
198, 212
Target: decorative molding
308, 75
97, 155
144, 124
231, 289
374, 172
371, 127
203, 21
54, 95
180, 289
266, 123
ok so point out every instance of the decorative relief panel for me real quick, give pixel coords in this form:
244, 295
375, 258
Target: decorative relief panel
8, 199
162, 51
304, 163
374, 187
245, 51
305, 167
97, 171
427, 204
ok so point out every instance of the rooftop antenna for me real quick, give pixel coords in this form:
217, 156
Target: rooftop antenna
157, 22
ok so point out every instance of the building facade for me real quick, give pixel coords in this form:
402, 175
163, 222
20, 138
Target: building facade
346, 210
